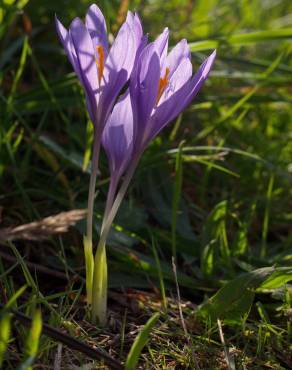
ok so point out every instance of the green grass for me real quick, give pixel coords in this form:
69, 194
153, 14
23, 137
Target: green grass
214, 187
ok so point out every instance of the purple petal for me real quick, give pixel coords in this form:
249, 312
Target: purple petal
161, 43
130, 18
178, 101
141, 40
67, 42
123, 50
96, 26
143, 44
147, 67
180, 76
180, 52
134, 22
86, 55
144, 88
117, 138
118, 67
138, 25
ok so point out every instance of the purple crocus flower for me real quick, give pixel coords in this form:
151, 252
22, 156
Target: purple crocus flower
161, 87
102, 71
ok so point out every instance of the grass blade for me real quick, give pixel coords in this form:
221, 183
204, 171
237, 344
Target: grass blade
176, 196
139, 343
243, 39
32, 342
160, 275
5, 324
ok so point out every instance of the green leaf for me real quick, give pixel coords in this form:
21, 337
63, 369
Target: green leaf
260, 36
16, 295
73, 158
204, 45
243, 39
176, 196
32, 342
5, 324
139, 343
214, 238
277, 279
233, 301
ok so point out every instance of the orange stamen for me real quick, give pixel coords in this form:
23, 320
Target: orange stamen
163, 82
100, 61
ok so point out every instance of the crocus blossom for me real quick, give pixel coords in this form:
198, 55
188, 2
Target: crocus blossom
161, 87
103, 72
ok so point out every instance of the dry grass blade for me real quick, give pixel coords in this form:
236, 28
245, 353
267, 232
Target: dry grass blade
188, 338
58, 357
40, 230
229, 361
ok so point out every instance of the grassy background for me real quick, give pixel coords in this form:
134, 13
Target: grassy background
215, 186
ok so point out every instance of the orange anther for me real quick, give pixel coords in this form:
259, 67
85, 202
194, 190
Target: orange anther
163, 82
100, 61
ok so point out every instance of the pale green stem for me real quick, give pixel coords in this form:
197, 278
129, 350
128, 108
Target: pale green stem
120, 196
110, 199
89, 267
92, 183
99, 284
89, 261
99, 289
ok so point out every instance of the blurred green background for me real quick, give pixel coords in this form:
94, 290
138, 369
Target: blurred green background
215, 185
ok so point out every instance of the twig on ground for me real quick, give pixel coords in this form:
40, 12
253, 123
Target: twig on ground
75, 344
